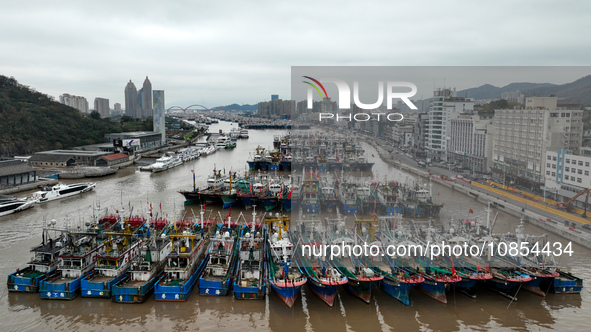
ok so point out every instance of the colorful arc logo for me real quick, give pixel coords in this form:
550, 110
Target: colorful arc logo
316, 87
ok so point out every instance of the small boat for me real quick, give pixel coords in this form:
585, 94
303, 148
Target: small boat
566, 283
74, 264
163, 163
60, 190
323, 277
361, 279
139, 281
12, 205
184, 263
216, 279
286, 278
45, 261
243, 133
250, 280
120, 249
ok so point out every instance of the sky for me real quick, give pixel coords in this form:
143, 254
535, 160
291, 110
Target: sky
216, 53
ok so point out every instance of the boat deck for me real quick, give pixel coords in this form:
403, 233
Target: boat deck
31, 274
134, 283
174, 282
100, 279
60, 280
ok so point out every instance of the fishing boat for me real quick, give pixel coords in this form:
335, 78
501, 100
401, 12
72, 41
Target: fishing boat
146, 268
310, 198
216, 278
400, 273
418, 202
185, 262
208, 194
61, 190
347, 197
328, 196
229, 194
250, 282
120, 249
74, 264
387, 196
45, 261
323, 277
284, 275
12, 204
566, 283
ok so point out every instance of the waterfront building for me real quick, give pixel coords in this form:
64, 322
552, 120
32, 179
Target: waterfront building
444, 106
78, 102
522, 137
147, 139
567, 174
14, 172
471, 142
66, 158
101, 105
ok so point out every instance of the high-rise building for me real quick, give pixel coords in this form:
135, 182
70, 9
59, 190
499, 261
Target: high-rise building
444, 106
159, 117
274, 97
471, 142
522, 137
277, 108
131, 105
146, 105
79, 103
101, 105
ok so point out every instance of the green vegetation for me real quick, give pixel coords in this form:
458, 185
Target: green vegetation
194, 134
31, 121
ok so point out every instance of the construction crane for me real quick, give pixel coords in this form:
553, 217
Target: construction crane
570, 201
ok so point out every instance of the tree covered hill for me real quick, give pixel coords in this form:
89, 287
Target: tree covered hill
31, 121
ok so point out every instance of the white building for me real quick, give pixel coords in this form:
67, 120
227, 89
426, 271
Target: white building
444, 106
78, 102
471, 142
567, 174
522, 137
403, 135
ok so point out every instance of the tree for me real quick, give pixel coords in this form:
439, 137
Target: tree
95, 115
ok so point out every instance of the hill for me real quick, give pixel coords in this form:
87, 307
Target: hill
31, 121
574, 91
488, 91
245, 107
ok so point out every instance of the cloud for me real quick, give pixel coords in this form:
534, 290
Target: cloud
218, 53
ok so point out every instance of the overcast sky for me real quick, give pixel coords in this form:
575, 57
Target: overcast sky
221, 52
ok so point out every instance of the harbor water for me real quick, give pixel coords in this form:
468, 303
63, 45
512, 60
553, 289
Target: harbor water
131, 189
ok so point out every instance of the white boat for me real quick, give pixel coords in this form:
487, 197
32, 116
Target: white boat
12, 205
244, 133
221, 142
61, 190
189, 154
165, 162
